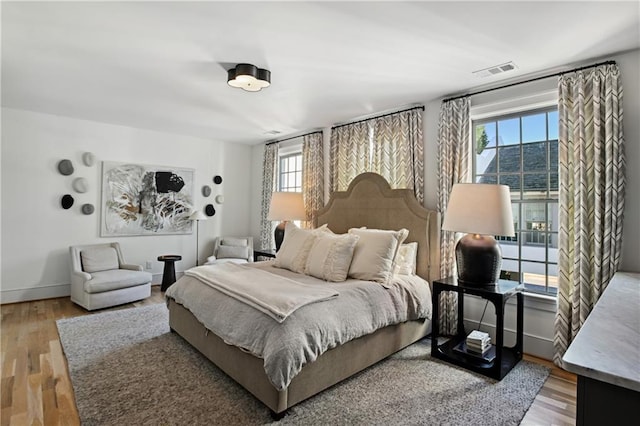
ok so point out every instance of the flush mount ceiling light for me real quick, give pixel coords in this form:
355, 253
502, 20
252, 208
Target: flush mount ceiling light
249, 77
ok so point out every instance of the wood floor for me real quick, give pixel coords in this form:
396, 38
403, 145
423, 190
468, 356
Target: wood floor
36, 389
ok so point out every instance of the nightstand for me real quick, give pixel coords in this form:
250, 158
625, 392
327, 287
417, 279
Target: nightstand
498, 360
270, 253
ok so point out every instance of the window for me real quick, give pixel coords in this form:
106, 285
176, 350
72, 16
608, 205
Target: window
521, 151
290, 173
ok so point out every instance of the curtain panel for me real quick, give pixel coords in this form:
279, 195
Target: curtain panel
349, 154
453, 167
269, 185
591, 194
312, 175
391, 145
398, 150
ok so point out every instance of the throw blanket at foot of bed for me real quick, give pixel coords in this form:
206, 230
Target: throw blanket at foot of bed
271, 294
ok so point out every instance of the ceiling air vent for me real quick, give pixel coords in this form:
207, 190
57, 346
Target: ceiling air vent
497, 69
272, 132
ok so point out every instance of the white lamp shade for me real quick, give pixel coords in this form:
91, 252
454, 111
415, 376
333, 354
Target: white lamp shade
198, 215
477, 208
286, 206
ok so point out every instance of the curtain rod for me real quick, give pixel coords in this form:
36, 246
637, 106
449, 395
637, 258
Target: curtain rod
530, 80
378, 116
294, 137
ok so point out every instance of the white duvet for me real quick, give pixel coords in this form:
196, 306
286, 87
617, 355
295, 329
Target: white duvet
361, 308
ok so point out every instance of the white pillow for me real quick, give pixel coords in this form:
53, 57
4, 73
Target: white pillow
230, 241
98, 259
295, 248
330, 256
406, 259
375, 253
233, 252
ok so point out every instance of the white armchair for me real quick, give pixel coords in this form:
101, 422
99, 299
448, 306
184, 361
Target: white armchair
100, 277
232, 249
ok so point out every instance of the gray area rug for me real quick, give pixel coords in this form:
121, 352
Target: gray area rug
128, 369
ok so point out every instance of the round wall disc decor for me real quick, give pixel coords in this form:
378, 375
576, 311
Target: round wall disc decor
88, 159
80, 185
209, 210
65, 167
220, 199
206, 190
217, 179
67, 201
87, 208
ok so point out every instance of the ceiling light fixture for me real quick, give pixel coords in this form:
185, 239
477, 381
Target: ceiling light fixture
249, 77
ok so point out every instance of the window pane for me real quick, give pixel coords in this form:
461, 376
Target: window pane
486, 162
552, 277
534, 273
485, 136
535, 185
510, 265
553, 156
298, 179
534, 128
513, 182
553, 124
535, 157
509, 131
509, 159
492, 179
553, 217
515, 212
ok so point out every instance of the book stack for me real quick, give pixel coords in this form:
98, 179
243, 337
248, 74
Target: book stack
478, 342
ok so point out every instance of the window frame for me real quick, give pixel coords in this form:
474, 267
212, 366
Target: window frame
521, 222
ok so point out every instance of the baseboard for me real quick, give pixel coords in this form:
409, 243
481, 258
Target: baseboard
35, 293
51, 291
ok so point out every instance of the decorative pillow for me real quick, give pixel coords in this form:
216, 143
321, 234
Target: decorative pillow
406, 259
99, 259
375, 253
324, 229
237, 252
330, 256
230, 241
295, 248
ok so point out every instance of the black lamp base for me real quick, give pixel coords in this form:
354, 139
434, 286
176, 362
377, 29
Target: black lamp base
278, 234
479, 260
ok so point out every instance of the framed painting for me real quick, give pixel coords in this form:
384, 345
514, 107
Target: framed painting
140, 199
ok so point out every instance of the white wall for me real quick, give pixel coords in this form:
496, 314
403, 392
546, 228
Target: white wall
37, 232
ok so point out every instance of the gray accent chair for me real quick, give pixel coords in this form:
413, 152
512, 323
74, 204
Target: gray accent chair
100, 277
231, 249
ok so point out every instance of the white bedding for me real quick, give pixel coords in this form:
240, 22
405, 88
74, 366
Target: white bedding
361, 308
276, 296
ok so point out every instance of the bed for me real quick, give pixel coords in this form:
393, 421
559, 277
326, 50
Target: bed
369, 202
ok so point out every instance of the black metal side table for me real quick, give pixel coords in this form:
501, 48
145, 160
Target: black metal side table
499, 360
169, 273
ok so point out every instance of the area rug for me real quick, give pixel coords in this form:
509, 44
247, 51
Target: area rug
128, 368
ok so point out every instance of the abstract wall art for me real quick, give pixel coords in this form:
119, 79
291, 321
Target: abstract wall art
142, 199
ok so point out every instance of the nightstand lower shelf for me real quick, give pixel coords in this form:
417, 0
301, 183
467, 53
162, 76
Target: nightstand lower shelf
448, 351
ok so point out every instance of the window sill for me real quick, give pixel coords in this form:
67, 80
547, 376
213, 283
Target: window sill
538, 302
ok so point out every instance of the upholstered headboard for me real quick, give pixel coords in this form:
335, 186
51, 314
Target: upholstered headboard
369, 201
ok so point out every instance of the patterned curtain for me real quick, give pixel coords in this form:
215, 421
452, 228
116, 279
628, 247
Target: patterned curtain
349, 155
312, 175
453, 167
269, 184
398, 150
592, 166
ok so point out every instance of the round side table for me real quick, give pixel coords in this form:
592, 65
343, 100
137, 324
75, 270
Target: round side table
169, 274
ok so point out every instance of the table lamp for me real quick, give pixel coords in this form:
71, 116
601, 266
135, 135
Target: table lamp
482, 211
197, 216
285, 206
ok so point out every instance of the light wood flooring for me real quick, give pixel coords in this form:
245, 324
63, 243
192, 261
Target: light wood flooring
36, 388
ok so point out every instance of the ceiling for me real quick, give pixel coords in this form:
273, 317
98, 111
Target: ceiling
162, 65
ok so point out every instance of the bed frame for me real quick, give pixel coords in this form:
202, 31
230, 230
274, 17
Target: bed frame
369, 202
